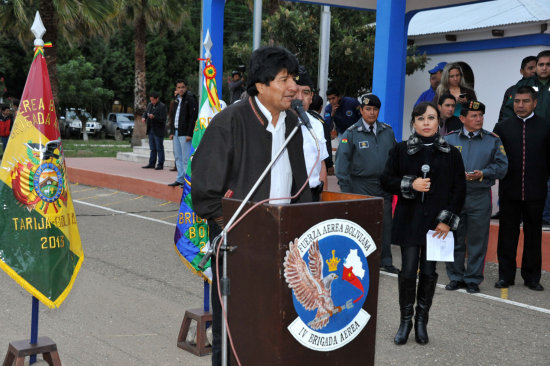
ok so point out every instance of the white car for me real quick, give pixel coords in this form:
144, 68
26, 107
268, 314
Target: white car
70, 123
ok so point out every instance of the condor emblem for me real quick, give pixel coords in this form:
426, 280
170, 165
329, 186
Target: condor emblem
327, 271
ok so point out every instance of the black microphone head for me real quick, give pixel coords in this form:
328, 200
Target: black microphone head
296, 104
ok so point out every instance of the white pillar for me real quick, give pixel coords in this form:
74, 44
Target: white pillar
257, 27
324, 51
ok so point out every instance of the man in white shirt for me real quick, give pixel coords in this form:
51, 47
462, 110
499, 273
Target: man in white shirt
314, 152
239, 143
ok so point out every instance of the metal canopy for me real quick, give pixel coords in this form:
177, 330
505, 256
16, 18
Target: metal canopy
412, 5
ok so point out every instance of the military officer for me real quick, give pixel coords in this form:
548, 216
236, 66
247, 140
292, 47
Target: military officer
484, 160
360, 160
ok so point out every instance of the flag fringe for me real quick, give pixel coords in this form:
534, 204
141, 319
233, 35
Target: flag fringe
35, 292
188, 265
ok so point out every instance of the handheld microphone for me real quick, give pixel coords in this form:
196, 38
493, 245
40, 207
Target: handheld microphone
297, 105
425, 169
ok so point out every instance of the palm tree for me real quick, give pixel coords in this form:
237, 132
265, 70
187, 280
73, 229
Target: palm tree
147, 15
72, 19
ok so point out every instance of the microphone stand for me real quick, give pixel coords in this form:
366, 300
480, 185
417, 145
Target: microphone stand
224, 282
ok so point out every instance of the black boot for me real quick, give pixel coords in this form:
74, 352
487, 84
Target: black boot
407, 289
426, 289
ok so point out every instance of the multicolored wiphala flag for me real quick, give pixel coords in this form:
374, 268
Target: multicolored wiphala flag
40, 246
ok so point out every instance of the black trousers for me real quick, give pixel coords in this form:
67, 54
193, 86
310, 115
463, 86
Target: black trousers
413, 258
511, 213
214, 230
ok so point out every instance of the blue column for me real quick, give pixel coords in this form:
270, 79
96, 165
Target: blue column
390, 51
212, 19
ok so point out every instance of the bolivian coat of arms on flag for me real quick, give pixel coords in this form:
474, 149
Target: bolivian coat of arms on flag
40, 246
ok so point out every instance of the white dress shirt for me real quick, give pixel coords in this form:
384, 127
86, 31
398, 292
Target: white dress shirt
367, 126
310, 149
177, 115
281, 172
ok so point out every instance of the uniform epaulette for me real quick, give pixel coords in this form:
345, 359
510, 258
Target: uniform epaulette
353, 126
455, 131
489, 133
385, 124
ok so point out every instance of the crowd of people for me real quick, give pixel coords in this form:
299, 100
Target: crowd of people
442, 176
438, 179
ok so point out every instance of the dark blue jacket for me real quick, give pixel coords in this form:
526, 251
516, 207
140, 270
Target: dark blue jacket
346, 114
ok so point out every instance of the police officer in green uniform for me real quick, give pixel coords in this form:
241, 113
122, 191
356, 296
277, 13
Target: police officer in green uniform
485, 161
360, 160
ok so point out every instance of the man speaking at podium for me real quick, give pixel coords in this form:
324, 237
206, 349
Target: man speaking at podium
239, 143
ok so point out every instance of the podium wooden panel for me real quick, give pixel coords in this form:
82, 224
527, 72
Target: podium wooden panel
260, 304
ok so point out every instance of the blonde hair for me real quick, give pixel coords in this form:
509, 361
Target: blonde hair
444, 85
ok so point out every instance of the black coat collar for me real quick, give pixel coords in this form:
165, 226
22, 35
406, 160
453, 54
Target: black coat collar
414, 144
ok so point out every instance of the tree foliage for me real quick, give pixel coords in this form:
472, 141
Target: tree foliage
72, 20
12, 67
80, 88
171, 49
296, 27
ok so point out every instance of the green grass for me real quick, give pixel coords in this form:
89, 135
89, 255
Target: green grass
94, 148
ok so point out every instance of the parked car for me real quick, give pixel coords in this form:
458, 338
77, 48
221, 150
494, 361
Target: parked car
71, 125
119, 125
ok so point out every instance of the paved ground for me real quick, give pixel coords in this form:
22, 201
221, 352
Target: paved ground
129, 299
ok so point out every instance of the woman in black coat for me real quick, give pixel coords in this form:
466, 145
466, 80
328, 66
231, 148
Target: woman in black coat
431, 203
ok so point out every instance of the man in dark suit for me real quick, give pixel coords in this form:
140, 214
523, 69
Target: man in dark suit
522, 192
155, 117
238, 144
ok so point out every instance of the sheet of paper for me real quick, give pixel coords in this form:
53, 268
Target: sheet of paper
441, 250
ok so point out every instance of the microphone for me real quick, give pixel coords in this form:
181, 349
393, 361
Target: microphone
425, 169
211, 251
296, 104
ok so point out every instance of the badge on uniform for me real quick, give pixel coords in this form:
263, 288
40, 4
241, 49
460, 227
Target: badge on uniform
349, 113
344, 141
363, 144
459, 148
501, 147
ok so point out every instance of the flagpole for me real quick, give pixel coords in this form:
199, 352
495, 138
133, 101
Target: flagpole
34, 327
206, 297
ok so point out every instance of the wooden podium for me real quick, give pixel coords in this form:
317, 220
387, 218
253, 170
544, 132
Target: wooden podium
260, 304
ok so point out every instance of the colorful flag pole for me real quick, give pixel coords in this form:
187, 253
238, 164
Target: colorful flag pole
191, 235
39, 240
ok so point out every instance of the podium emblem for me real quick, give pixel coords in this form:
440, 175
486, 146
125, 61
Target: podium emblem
328, 274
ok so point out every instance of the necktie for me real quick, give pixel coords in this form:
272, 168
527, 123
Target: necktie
371, 128
470, 134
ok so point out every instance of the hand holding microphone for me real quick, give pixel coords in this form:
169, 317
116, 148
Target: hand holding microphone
422, 184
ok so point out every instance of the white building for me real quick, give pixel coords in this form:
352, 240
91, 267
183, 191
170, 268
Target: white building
490, 37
